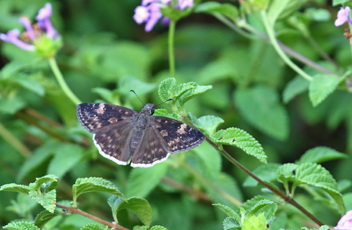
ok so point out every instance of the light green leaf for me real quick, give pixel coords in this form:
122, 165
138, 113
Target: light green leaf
261, 107
11, 105
241, 139
12, 68
281, 9
137, 227
94, 184
106, 94
22, 205
92, 227
67, 156
38, 156
227, 10
44, 217
142, 180
252, 222
260, 204
343, 184
210, 158
47, 200
229, 211
139, 206
130, 83
320, 154
322, 86
316, 175
165, 113
265, 172
46, 183
15, 188
339, 2
285, 174
29, 83
295, 87
208, 124
158, 227
165, 86
231, 223
194, 91
21, 225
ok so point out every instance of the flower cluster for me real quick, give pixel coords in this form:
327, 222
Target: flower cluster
149, 11
34, 33
345, 222
343, 16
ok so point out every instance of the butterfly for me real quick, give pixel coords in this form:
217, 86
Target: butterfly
125, 136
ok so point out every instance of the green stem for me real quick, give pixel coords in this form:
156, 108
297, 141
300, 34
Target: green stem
171, 48
281, 53
62, 82
12, 140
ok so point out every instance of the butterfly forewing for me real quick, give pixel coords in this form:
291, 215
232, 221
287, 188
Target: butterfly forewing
176, 135
96, 116
150, 150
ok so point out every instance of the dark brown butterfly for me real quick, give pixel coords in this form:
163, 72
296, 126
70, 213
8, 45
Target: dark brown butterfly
125, 136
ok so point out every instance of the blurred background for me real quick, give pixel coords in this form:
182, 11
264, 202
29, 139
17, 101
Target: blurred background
105, 54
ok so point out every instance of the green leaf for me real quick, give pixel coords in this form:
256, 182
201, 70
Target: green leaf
23, 205
322, 86
285, 174
165, 113
44, 217
265, 172
255, 222
194, 91
316, 175
139, 206
320, 154
92, 227
38, 156
21, 225
66, 157
343, 184
12, 68
295, 87
15, 188
11, 105
94, 184
227, 10
207, 124
106, 94
137, 227
210, 158
47, 200
47, 183
261, 107
229, 211
165, 86
142, 180
29, 83
280, 9
231, 223
241, 139
339, 2
260, 204
158, 227
130, 83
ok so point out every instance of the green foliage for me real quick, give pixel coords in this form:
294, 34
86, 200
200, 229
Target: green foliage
213, 8
254, 222
91, 227
20, 225
321, 86
43, 218
320, 154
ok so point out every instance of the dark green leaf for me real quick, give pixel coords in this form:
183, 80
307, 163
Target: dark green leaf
295, 87
265, 172
322, 86
43, 218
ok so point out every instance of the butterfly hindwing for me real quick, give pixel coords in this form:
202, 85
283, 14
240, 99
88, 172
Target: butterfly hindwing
176, 135
96, 116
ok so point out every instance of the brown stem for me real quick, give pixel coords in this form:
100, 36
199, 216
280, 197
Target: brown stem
78, 211
42, 117
288, 199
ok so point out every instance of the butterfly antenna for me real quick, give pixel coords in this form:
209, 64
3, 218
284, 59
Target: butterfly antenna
165, 101
136, 96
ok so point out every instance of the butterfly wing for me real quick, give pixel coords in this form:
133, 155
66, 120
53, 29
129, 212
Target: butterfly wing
150, 151
175, 135
112, 126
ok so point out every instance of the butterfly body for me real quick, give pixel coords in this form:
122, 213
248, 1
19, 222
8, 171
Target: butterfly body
125, 136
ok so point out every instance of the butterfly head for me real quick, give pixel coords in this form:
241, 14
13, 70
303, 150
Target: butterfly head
148, 108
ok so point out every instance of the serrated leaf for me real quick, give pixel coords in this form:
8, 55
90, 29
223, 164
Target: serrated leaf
193, 92
43, 217
94, 184
316, 175
227, 10
295, 87
166, 86
320, 154
142, 180
67, 156
46, 183
228, 211
231, 223
158, 227
241, 139
91, 227
208, 124
21, 225
165, 113
15, 188
260, 204
322, 86
255, 222
261, 107
139, 206
285, 174
265, 172
47, 200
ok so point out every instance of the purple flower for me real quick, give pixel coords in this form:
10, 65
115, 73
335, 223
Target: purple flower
342, 16
345, 222
32, 31
149, 12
